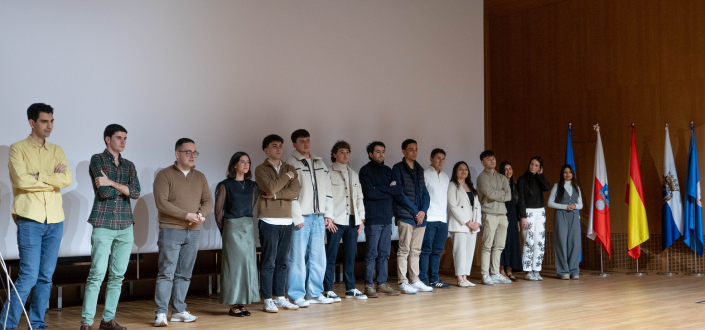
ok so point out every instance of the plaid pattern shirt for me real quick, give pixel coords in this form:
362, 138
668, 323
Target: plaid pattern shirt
111, 209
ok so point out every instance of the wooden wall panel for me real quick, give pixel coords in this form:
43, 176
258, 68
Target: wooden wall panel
611, 62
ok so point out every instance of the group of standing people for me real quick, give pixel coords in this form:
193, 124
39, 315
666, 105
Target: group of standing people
301, 203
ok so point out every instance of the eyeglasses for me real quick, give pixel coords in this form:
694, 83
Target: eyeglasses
189, 153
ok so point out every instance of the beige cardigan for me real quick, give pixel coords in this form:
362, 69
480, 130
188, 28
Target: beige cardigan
342, 198
460, 211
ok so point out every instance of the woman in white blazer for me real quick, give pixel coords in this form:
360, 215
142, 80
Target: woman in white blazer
464, 220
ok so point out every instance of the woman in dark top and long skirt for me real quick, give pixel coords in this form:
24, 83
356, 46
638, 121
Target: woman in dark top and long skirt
235, 198
531, 186
511, 255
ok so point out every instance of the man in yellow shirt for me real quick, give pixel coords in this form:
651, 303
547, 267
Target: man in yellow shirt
38, 171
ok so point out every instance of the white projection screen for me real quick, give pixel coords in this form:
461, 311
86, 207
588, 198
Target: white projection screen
227, 73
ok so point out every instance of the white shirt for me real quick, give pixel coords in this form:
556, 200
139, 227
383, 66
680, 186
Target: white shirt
277, 221
437, 186
569, 190
186, 172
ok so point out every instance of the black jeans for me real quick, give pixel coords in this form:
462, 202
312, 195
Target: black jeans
349, 235
275, 241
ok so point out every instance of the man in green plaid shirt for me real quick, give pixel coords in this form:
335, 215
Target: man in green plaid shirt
114, 183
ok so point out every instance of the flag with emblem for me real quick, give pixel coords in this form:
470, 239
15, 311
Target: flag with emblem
672, 210
599, 229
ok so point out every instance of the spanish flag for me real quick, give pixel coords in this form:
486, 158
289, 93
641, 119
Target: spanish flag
638, 231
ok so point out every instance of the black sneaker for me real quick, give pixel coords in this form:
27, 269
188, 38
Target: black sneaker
440, 285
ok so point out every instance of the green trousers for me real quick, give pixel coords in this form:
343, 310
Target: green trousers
113, 248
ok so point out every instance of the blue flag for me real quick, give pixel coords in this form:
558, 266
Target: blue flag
693, 211
571, 161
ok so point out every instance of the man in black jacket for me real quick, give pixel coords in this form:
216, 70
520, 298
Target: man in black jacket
410, 212
379, 191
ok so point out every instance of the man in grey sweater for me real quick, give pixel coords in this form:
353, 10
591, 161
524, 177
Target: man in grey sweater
492, 190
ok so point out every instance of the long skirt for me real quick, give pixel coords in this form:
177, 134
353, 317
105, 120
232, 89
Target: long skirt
239, 282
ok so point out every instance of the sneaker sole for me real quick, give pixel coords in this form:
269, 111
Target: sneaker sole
160, 325
270, 310
177, 320
408, 292
290, 308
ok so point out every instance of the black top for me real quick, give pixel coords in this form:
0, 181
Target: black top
472, 198
531, 188
375, 180
235, 199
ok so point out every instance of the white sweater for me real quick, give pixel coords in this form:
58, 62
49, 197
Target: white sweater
437, 185
568, 189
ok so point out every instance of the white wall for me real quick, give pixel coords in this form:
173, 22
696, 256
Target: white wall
227, 73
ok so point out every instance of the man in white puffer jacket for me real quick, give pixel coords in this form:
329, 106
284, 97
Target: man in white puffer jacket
311, 211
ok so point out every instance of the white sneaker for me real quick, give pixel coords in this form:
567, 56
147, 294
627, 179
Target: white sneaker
301, 302
160, 320
406, 288
530, 276
470, 284
538, 276
419, 286
332, 295
320, 300
271, 307
183, 317
487, 280
498, 278
355, 293
282, 302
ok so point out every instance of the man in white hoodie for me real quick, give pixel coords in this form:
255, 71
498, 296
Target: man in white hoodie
311, 211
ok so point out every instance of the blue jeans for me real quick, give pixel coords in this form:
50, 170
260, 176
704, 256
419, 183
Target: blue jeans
434, 240
379, 243
177, 256
349, 235
38, 245
307, 259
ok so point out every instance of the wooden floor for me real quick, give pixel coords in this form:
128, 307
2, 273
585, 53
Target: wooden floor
619, 301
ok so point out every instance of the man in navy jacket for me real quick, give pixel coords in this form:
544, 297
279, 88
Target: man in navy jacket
379, 190
410, 212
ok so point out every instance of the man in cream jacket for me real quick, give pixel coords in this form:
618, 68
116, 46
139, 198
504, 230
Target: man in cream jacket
347, 224
311, 211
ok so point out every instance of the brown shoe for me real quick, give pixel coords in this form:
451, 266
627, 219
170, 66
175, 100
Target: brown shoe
370, 291
111, 325
575, 277
386, 289
85, 326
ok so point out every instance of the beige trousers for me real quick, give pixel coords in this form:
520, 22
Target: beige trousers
494, 235
410, 240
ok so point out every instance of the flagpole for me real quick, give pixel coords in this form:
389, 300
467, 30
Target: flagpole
637, 272
695, 258
667, 272
602, 272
